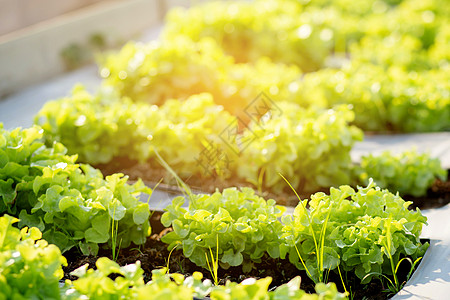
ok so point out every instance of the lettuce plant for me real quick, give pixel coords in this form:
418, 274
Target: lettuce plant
99, 127
72, 204
310, 147
96, 284
351, 229
251, 289
111, 126
179, 67
383, 98
30, 268
158, 71
398, 78
276, 29
244, 226
409, 172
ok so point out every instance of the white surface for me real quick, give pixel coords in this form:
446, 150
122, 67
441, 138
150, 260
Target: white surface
432, 278
19, 109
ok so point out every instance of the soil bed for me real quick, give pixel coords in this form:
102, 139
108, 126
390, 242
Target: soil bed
437, 196
154, 255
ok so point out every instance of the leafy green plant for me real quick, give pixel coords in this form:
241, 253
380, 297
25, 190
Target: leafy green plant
72, 204
246, 226
102, 127
214, 265
384, 98
252, 289
396, 286
177, 68
174, 286
276, 29
30, 268
319, 242
95, 284
149, 72
130, 285
99, 127
357, 229
312, 147
408, 172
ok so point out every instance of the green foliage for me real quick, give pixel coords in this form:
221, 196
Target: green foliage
286, 138
178, 68
398, 77
310, 147
99, 128
396, 286
113, 126
409, 172
174, 286
30, 268
383, 99
246, 226
150, 72
71, 204
252, 289
276, 29
305, 33
359, 226
95, 284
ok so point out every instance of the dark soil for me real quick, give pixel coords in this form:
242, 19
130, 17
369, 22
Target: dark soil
154, 255
438, 195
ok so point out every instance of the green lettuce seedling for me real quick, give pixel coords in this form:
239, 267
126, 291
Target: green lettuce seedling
251, 289
129, 285
30, 268
72, 204
244, 225
409, 172
312, 147
357, 226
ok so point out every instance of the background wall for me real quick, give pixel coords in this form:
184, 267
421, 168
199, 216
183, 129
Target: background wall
16, 14
33, 54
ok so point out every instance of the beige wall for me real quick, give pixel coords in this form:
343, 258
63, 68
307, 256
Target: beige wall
33, 54
16, 14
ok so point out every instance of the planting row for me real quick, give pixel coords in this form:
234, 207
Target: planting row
31, 269
198, 137
226, 117
366, 232
71, 203
396, 79
305, 33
